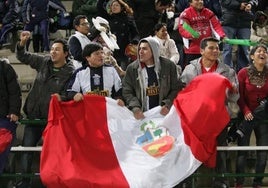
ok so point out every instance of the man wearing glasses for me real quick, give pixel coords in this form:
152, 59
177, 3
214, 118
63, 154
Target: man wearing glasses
79, 39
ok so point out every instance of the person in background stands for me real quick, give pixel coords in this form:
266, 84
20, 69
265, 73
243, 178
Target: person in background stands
123, 26
79, 40
100, 33
205, 24
35, 12
168, 47
150, 81
10, 104
236, 22
259, 29
209, 63
148, 13
8, 16
253, 89
53, 73
85, 7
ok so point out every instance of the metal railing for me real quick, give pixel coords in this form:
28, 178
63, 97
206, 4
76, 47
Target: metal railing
193, 176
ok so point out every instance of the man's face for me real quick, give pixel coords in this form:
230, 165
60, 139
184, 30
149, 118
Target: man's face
211, 51
83, 27
161, 8
197, 4
145, 53
57, 54
96, 59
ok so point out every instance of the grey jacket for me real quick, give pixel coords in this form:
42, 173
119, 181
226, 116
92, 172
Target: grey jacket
194, 69
47, 82
133, 82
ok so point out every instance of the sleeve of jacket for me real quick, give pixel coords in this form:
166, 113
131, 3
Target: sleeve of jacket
11, 15
216, 26
14, 90
183, 32
73, 86
242, 75
216, 8
34, 60
175, 56
174, 86
254, 37
129, 89
75, 48
24, 11
188, 74
134, 33
56, 4
233, 97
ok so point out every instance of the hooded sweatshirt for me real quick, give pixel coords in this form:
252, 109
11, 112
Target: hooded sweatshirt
135, 81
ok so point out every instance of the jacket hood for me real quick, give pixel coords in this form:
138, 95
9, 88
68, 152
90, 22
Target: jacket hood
155, 46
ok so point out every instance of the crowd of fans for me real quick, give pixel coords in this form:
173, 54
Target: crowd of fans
141, 53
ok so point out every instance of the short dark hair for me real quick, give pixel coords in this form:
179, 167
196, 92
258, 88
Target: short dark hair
64, 44
158, 26
164, 2
76, 21
204, 41
90, 48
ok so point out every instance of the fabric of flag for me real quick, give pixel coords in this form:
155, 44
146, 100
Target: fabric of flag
6, 129
7, 133
5, 139
93, 143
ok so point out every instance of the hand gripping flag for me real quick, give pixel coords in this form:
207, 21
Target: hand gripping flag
96, 143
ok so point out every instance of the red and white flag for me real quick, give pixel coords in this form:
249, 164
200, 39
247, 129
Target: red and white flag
96, 143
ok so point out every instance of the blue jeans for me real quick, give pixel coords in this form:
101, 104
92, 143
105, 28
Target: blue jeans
261, 134
242, 51
44, 30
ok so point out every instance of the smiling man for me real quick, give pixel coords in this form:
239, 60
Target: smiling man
53, 72
79, 39
209, 63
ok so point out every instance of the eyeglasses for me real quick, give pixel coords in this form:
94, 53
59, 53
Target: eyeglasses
84, 24
213, 48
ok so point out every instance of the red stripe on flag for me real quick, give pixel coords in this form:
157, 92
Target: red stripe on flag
77, 149
203, 114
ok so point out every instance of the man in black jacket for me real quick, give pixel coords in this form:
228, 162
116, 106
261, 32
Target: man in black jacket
53, 72
10, 104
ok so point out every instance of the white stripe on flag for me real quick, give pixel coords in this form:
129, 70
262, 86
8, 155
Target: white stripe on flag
140, 168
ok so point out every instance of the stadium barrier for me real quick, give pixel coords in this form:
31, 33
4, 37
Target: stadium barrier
193, 176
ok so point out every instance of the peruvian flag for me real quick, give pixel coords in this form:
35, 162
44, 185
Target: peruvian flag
96, 143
